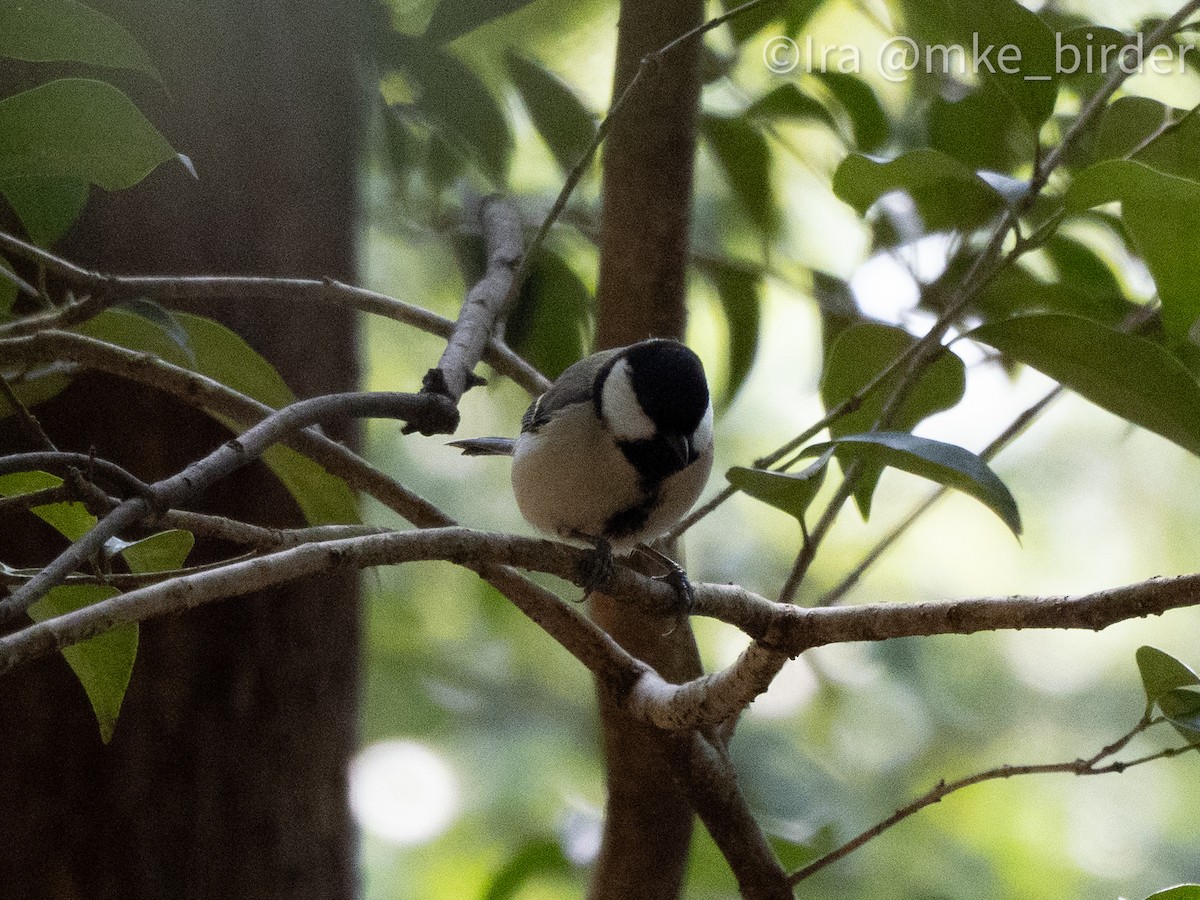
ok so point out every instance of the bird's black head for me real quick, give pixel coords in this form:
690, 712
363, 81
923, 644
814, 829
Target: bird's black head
668, 381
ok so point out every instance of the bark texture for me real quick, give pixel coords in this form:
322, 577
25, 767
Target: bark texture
226, 777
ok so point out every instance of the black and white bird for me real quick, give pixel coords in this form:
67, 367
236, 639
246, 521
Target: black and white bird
616, 451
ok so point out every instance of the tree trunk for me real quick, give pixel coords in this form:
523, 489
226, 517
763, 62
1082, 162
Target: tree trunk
648, 162
226, 777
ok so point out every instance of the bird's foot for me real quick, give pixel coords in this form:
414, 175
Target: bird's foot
676, 577
598, 567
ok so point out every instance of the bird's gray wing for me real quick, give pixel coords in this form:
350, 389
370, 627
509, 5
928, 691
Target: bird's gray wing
573, 386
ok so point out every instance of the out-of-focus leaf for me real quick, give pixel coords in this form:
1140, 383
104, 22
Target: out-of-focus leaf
946, 464
404, 147
102, 664
454, 18
740, 293
1127, 375
46, 206
1176, 150
980, 130
64, 30
1126, 124
1030, 81
164, 551
82, 129
559, 116
742, 152
869, 121
548, 325
791, 492
455, 100
1162, 673
787, 101
1079, 289
221, 354
539, 857
859, 354
947, 194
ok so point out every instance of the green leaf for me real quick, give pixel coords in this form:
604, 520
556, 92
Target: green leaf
565, 124
18, 483
787, 101
1162, 673
982, 130
1162, 212
1182, 892
165, 320
454, 18
742, 153
1182, 709
222, 355
548, 325
71, 520
946, 464
1129, 376
869, 121
454, 99
161, 552
82, 129
539, 857
740, 293
792, 492
1030, 82
46, 206
63, 30
1175, 149
102, 664
948, 195
857, 355
1126, 124
127, 326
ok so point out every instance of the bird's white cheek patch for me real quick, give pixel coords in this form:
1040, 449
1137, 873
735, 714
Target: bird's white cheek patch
622, 412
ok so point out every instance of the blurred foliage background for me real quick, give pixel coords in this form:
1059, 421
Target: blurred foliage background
480, 772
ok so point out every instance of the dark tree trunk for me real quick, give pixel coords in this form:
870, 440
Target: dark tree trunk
648, 162
226, 777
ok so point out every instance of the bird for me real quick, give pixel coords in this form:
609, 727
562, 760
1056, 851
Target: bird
614, 453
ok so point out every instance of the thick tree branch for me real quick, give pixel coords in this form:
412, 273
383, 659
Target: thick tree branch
781, 630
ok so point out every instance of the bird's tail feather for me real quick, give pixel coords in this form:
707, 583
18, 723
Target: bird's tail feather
488, 446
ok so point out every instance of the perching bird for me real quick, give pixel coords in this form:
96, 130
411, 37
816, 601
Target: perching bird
615, 452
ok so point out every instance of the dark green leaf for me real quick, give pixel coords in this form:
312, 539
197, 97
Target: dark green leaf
164, 319
946, 464
947, 194
102, 664
222, 355
870, 122
535, 858
565, 124
981, 130
81, 129
1162, 212
161, 552
404, 147
859, 354
1129, 376
47, 207
454, 99
63, 30
1030, 80
548, 326
1182, 709
1126, 124
791, 492
740, 293
454, 18
1176, 150
787, 101
742, 152
1162, 673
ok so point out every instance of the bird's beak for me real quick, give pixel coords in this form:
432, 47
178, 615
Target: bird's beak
680, 446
